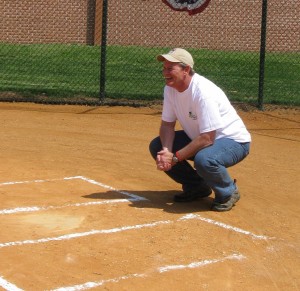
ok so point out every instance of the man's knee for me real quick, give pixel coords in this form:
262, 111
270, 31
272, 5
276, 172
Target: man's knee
203, 162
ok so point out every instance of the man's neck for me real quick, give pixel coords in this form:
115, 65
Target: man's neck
185, 84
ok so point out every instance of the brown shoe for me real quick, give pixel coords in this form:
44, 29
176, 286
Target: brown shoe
228, 204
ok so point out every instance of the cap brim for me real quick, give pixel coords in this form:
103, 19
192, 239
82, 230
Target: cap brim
162, 58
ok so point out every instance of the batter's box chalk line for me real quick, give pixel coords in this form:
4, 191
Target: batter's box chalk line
132, 197
88, 285
131, 227
193, 265
8, 286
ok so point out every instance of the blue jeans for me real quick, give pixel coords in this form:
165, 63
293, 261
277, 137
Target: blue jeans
210, 164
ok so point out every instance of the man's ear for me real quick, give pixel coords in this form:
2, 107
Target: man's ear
187, 69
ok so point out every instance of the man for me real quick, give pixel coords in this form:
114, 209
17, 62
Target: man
213, 134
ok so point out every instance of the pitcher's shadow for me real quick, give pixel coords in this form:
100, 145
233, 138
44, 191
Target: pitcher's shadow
156, 199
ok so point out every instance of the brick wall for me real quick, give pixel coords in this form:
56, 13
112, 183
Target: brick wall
46, 21
231, 24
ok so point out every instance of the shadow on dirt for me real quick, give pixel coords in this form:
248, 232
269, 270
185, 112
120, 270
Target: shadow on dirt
155, 199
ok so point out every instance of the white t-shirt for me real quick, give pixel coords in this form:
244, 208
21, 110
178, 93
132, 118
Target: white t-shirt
201, 108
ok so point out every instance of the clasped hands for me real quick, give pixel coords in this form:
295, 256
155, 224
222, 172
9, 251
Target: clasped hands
164, 160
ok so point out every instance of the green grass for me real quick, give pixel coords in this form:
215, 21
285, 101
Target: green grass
61, 70
133, 72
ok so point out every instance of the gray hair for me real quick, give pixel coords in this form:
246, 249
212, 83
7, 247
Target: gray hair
183, 65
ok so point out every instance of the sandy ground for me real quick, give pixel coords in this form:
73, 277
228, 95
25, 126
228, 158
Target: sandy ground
83, 206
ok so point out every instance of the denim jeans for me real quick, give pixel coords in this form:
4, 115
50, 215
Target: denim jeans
210, 164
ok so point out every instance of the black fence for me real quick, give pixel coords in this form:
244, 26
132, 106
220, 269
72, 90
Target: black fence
105, 51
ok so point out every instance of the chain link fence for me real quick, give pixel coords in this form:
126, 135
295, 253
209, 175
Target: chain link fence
100, 51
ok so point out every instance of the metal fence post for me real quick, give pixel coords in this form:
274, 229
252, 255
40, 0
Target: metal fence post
103, 50
90, 22
262, 54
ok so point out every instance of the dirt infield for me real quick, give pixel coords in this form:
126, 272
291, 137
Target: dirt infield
83, 206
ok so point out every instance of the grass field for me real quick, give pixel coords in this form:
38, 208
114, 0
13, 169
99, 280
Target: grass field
57, 71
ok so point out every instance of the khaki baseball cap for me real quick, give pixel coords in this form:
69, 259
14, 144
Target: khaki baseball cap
177, 55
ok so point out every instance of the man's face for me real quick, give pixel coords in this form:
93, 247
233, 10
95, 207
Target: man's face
174, 75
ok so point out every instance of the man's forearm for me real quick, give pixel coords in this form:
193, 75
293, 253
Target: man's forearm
200, 142
167, 134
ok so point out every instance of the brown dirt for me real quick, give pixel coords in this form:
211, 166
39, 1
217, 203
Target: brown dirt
110, 146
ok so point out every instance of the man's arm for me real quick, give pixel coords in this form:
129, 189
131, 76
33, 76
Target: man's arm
164, 157
202, 141
167, 134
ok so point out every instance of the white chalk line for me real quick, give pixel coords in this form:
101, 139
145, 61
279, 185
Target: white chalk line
226, 226
38, 181
134, 198
193, 265
77, 177
113, 189
43, 208
8, 286
200, 263
131, 227
89, 285
83, 234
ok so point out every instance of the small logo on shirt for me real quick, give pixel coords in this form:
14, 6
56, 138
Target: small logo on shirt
192, 115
